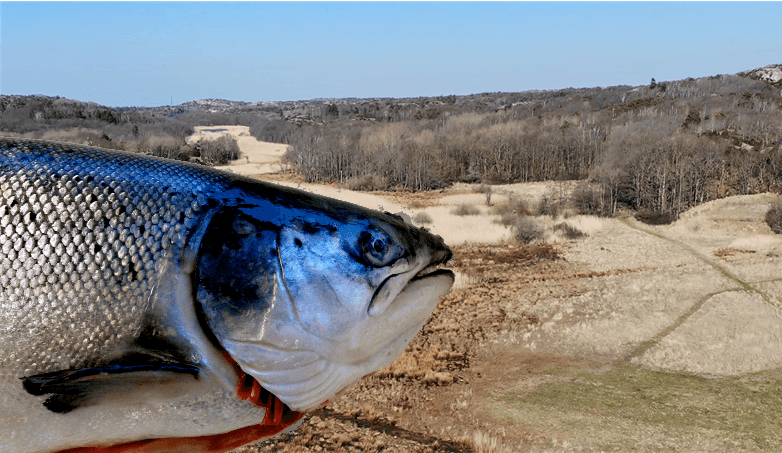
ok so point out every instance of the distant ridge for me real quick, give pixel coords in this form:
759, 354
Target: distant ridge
771, 74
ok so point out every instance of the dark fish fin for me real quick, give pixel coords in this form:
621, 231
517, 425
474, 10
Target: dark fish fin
71, 389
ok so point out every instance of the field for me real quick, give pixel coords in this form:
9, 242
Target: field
629, 338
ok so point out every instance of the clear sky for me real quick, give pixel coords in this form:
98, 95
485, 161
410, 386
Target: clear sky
145, 54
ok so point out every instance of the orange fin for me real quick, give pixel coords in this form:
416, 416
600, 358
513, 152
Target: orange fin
202, 444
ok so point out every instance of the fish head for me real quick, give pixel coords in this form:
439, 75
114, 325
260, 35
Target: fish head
315, 297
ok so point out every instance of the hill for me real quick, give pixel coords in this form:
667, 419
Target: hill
661, 147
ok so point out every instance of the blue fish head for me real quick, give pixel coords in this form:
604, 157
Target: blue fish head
309, 294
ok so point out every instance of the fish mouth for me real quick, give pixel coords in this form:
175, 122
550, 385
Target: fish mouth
432, 270
388, 291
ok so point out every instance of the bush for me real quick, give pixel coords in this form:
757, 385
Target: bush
219, 151
569, 231
368, 183
465, 209
422, 218
550, 205
526, 230
774, 216
486, 190
510, 211
592, 201
417, 204
655, 217
163, 146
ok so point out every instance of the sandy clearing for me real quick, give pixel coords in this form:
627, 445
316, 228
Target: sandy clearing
257, 157
729, 330
367, 200
730, 222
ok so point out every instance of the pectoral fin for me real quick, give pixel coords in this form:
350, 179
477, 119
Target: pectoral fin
124, 383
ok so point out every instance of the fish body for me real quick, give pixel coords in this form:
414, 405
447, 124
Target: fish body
150, 305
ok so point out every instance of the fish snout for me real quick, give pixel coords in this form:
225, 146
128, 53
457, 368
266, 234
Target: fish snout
439, 252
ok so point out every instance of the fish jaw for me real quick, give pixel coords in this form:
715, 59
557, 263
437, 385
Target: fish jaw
317, 370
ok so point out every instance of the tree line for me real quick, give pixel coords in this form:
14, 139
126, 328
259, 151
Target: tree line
662, 148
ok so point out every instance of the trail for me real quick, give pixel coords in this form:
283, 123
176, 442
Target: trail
742, 286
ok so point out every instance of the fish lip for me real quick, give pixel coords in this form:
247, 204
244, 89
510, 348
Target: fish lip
433, 270
430, 271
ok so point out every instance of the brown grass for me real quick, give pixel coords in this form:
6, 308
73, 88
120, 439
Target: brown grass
367, 183
420, 364
550, 205
481, 442
417, 204
467, 257
722, 253
486, 190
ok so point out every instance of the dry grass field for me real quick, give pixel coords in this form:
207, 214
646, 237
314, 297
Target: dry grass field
629, 337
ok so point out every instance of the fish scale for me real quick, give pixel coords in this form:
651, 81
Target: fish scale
80, 253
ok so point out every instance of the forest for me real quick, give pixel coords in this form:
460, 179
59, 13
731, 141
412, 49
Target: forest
658, 148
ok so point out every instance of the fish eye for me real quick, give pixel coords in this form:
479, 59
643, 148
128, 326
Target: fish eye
378, 248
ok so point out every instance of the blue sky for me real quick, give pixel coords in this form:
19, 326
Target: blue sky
122, 54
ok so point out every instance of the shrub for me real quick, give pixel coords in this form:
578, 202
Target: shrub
526, 230
422, 218
465, 209
219, 151
655, 217
163, 146
569, 231
774, 216
550, 205
510, 211
368, 183
416, 204
486, 190
592, 201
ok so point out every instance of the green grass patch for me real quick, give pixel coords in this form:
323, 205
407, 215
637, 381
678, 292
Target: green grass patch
634, 409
